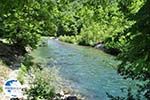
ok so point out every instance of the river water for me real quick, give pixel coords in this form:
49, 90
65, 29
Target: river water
88, 70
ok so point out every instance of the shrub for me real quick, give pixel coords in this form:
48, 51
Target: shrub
22, 73
43, 85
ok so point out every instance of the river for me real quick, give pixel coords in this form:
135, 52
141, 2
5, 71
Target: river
89, 70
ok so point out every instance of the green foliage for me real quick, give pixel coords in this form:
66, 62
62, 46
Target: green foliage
136, 56
22, 73
43, 85
70, 39
120, 39
67, 20
130, 7
22, 30
28, 61
130, 96
97, 22
41, 90
22, 25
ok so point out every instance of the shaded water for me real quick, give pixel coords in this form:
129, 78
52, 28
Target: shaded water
90, 71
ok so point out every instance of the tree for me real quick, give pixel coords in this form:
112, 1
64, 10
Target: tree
136, 57
22, 22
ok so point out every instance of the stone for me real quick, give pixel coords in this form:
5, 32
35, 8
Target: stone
66, 91
71, 98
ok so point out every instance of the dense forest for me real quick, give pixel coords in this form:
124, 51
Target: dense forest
120, 24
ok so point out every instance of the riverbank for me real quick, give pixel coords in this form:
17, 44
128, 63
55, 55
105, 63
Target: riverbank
10, 61
10, 58
24, 70
62, 92
98, 45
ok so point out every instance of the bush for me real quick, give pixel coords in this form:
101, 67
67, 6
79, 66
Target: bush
41, 90
69, 39
43, 85
22, 73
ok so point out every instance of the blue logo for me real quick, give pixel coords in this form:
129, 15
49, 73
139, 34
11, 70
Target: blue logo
13, 88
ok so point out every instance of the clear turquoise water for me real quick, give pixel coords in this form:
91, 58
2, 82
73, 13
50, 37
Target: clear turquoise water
90, 71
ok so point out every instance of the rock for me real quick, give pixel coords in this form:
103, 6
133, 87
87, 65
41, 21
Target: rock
71, 98
61, 93
112, 51
66, 91
100, 46
28, 49
16, 65
52, 37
